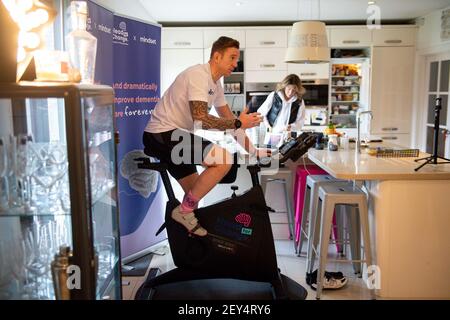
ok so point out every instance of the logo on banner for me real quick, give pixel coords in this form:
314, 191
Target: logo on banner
120, 36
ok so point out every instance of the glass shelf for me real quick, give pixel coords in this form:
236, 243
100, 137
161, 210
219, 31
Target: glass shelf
344, 92
345, 101
350, 85
20, 212
234, 94
100, 138
349, 77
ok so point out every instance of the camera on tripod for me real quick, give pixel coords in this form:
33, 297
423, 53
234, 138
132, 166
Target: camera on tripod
433, 159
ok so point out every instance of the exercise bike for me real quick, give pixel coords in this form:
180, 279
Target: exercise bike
237, 259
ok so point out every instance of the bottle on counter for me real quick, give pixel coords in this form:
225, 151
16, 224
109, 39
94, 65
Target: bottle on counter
333, 142
81, 44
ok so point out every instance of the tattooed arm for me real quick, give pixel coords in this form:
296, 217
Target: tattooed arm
199, 111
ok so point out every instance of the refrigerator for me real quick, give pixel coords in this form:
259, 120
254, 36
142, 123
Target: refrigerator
349, 90
59, 213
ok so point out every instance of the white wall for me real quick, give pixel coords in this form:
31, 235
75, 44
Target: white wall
130, 8
428, 43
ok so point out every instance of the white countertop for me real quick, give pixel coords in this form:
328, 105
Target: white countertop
348, 164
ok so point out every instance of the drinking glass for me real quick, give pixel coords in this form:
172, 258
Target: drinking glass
4, 189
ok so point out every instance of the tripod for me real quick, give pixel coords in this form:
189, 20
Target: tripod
434, 158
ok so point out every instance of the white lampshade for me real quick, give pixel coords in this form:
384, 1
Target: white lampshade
308, 43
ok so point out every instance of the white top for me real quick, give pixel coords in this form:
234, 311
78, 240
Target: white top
193, 84
282, 120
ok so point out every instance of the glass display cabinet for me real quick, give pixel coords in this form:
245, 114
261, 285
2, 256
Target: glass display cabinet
59, 236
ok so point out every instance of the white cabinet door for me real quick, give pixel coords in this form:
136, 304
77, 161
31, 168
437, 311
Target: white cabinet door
174, 61
390, 37
402, 139
264, 76
350, 37
270, 59
310, 71
178, 38
211, 35
392, 85
266, 38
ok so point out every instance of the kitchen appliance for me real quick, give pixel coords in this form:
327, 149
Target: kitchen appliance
257, 93
349, 90
316, 94
316, 116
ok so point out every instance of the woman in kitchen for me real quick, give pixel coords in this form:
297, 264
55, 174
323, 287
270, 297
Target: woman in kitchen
284, 109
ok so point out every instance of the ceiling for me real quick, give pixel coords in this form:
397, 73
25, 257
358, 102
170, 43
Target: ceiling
261, 12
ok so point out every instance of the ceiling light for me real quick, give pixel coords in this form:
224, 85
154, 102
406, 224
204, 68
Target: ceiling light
371, 2
239, 3
308, 43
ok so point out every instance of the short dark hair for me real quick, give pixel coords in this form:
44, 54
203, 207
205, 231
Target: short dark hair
223, 43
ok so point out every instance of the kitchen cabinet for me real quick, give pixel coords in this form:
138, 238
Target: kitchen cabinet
60, 160
178, 38
266, 38
390, 37
310, 71
264, 76
401, 139
174, 61
392, 85
211, 35
350, 37
270, 59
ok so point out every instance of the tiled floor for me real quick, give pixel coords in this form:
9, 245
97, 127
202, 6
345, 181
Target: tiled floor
289, 264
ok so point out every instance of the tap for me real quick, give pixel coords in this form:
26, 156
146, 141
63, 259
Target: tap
358, 140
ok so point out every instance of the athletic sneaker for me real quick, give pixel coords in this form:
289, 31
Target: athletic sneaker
189, 221
312, 277
331, 280
330, 283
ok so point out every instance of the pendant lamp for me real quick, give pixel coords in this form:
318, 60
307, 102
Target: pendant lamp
308, 43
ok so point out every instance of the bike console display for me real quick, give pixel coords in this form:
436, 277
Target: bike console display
295, 148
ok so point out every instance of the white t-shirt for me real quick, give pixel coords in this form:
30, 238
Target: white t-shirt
282, 120
173, 110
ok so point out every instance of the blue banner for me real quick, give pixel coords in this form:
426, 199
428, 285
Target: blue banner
137, 60
100, 24
129, 59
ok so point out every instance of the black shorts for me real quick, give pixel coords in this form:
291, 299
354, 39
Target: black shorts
181, 150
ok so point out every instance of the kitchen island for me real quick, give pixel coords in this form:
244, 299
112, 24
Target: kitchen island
409, 219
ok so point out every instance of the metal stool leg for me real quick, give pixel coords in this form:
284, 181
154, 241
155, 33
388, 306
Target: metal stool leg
313, 234
305, 218
288, 197
325, 228
353, 227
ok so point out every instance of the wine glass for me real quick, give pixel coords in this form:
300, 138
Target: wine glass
26, 165
4, 189
5, 271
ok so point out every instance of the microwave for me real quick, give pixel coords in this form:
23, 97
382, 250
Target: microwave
316, 94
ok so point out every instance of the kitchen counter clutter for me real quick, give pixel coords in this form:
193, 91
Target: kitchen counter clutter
409, 219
